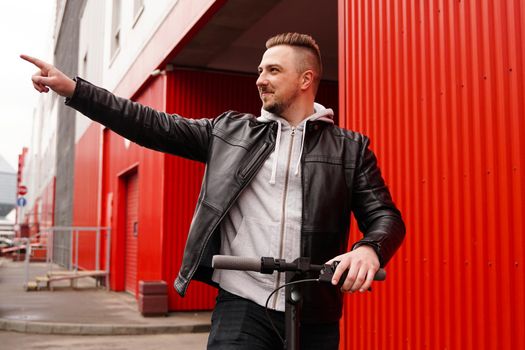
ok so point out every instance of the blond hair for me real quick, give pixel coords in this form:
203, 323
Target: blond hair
311, 54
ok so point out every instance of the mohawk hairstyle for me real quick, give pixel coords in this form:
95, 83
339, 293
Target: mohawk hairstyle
303, 41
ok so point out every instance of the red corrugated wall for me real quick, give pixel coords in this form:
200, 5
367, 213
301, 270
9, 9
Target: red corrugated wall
197, 94
85, 195
120, 158
439, 88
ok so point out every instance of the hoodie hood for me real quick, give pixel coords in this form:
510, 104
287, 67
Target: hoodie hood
320, 114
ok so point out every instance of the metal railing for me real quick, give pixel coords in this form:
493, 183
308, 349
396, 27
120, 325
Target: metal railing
74, 231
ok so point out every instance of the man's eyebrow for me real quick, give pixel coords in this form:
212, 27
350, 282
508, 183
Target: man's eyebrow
270, 65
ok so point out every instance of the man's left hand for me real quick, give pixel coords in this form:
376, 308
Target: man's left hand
362, 264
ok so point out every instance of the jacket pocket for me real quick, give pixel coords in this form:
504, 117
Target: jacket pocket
247, 169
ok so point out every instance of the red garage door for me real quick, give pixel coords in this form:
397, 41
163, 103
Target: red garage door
130, 255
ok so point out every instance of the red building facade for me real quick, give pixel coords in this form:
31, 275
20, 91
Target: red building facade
439, 88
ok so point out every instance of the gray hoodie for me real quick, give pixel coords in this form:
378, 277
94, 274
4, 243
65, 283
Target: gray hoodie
266, 219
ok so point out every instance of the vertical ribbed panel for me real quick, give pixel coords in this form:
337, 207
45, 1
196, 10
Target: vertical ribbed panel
85, 197
439, 88
196, 94
131, 219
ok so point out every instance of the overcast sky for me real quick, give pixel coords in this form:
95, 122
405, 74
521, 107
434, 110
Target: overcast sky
26, 26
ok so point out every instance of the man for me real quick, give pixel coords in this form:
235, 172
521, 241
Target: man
282, 184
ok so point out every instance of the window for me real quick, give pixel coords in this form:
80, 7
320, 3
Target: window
138, 8
115, 28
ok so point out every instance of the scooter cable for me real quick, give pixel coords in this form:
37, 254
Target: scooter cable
275, 291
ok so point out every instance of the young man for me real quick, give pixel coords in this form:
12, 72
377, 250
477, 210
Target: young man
282, 184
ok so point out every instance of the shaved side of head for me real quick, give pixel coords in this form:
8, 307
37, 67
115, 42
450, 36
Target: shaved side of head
307, 52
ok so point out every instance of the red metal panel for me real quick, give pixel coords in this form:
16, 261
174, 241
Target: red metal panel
106, 212
85, 195
196, 94
132, 211
439, 88
119, 156
151, 185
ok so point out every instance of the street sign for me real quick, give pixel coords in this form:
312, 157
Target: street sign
22, 190
21, 202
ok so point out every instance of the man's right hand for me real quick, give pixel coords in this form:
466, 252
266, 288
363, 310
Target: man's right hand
48, 77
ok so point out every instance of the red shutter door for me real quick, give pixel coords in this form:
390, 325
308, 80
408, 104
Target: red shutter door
130, 255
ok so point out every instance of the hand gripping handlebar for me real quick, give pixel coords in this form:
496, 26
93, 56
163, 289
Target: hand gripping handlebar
269, 265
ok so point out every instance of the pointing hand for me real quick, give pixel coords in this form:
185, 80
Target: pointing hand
48, 77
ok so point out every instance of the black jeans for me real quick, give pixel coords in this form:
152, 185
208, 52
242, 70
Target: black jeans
238, 323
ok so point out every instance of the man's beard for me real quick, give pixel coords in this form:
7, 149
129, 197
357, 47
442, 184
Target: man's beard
278, 107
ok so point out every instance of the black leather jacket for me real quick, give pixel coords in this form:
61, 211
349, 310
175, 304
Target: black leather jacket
339, 176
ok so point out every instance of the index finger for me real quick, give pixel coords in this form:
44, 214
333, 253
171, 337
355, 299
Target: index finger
37, 62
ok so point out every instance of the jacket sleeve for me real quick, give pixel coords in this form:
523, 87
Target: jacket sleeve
170, 133
375, 212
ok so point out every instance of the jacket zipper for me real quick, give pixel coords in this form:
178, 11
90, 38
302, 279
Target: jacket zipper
283, 214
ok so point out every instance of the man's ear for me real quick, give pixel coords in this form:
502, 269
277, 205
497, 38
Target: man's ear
307, 79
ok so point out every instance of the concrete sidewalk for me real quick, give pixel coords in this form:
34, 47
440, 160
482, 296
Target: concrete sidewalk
83, 311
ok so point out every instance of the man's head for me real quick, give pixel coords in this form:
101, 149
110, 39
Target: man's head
290, 67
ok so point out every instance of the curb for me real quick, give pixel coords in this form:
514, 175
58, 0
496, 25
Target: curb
98, 329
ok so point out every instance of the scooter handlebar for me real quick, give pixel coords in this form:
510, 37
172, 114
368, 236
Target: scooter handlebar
242, 263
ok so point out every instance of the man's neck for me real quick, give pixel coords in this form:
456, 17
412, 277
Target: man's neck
296, 113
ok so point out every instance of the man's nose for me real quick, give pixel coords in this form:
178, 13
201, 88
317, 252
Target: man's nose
261, 81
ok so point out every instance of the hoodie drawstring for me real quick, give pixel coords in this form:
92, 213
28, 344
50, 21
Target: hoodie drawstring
276, 158
320, 114
296, 172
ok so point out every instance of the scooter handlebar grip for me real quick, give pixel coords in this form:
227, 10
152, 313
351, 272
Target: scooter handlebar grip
240, 263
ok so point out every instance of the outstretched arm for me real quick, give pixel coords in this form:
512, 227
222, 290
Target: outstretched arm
49, 77
143, 125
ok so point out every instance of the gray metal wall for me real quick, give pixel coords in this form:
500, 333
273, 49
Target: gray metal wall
66, 59
7, 187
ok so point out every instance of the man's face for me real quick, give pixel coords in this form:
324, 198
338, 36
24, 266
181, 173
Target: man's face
278, 81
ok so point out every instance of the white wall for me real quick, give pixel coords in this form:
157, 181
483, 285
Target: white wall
91, 52
101, 68
135, 34
39, 168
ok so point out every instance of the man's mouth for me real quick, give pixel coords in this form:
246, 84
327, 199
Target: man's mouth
265, 93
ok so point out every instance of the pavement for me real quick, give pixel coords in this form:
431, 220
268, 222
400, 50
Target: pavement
86, 310
26, 341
